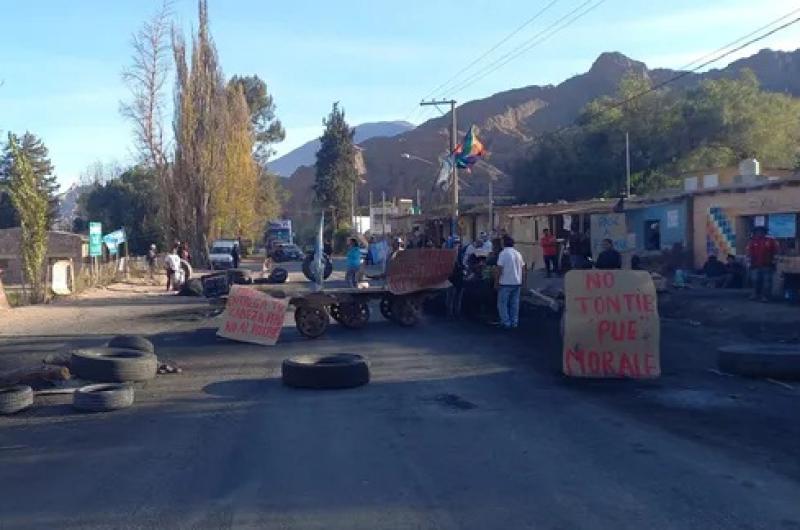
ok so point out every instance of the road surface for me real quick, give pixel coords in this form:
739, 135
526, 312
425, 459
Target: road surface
462, 427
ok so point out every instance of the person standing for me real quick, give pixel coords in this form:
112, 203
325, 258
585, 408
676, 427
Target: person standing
608, 258
577, 252
235, 255
550, 252
761, 251
151, 261
172, 264
510, 276
353, 262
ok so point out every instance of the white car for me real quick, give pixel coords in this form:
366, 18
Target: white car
220, 254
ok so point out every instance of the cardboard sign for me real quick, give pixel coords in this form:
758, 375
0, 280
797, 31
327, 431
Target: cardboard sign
252, 316
609, 226
611, 325
420, 268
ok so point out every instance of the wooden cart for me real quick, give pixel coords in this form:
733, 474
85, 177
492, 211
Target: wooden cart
412, 276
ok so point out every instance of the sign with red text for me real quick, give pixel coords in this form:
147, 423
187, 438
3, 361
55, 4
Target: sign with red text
420, 268
252, 316
611, 325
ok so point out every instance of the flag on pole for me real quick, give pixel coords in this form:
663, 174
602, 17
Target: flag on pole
319, 249
470, 150
445, 177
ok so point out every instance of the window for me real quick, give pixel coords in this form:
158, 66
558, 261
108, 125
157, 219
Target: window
652, 234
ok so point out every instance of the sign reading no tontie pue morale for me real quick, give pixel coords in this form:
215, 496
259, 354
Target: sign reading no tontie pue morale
419, 269
252, 316
612, 325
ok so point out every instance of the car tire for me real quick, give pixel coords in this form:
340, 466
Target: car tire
15, 398
342, 370
239, 277
778, 361
193, 287
103, 397
132, 342
115, 365
309, 274
311, 321
278, 275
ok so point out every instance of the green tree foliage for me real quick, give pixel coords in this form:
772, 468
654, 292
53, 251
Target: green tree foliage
335, 168
267, 127
31, 202
127, 202
38, 157
200, 136
672, 132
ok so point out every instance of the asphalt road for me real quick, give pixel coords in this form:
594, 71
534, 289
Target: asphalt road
462, 426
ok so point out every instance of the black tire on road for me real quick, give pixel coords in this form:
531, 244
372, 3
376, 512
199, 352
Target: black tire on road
342, 370
239, 277
116, 365
278, 275
15, 398
132, 342
778, 361
104, 397
311, 321
309, 274
193, 287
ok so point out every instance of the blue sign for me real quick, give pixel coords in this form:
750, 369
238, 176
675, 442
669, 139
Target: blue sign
783, 225
114, 239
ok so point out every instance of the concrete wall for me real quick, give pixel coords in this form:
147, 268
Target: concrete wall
728, 209
673, 223
60, 245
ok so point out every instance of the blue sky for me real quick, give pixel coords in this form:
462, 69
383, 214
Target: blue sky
61, 61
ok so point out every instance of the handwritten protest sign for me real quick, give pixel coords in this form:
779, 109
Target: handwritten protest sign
252, 316
609, 226
612, 325
420, 268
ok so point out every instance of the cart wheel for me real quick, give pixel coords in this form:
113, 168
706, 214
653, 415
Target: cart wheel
312, 322
405, 312
354, 315
336, 312
386, 307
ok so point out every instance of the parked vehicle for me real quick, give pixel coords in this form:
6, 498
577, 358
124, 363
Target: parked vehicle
221, 254
287, 252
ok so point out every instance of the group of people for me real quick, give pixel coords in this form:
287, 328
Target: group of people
761, 253
578, 253
178, 252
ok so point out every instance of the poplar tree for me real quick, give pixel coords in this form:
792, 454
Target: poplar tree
335, 168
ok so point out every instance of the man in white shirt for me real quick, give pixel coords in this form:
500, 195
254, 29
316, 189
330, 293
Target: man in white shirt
510, 276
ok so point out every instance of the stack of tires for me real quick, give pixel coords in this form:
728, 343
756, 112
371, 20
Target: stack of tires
126, 360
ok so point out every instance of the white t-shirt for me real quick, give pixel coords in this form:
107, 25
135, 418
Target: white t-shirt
512, 263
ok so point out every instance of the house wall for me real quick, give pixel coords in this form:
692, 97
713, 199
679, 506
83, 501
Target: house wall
60, 245
673, 223
718, 224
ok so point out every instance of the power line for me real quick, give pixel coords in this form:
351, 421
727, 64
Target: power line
554, 28
493, 48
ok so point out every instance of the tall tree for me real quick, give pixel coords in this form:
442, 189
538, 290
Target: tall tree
267, 127
38, 157
235, 197
200, 120
335, 168
31, 202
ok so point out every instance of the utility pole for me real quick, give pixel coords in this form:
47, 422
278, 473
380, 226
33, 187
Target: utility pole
419, 207
491, 204
353, 206
371, 226
628, 163
453, 141
383, 213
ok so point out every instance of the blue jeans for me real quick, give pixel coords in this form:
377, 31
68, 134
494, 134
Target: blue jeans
351, 277
508, 305
762, 281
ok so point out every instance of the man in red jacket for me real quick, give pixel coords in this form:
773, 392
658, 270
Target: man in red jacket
550, 252
761, 251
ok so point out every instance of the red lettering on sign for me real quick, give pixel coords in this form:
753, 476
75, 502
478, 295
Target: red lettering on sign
650, 367
594, 362
599, 280
575, 356
608, 362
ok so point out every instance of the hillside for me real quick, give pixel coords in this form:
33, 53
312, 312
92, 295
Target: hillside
509, 121
304, 155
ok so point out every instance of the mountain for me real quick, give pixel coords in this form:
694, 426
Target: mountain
68, 206
510, 121
305, 154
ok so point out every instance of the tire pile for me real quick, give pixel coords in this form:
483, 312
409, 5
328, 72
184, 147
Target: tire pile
126, 359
